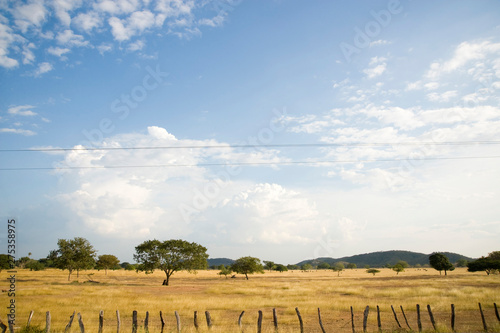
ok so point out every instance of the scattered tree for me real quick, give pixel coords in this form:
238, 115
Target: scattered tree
367, 266
324, 265
372, 271
352, 266
75, 254
269, 265
225, 271
398, 268
35, 265
440, 262
489, 264
107, 261
292, 267
5, 261
280, 268
306, 267
338, 267
247, 265
21, 263
170, 256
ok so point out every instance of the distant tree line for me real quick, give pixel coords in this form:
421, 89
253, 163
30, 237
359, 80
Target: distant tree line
75, 255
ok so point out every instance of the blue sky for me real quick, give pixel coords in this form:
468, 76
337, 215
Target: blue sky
401, 98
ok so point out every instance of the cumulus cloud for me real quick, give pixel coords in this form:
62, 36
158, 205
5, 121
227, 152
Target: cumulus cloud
379, 65
17, 131
43, 68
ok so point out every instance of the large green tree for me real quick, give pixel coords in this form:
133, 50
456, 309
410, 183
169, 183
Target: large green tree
440, 262
170, 256
247, 265
74, 255
489, 264
107, 261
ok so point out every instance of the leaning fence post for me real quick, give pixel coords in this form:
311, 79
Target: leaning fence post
80, 323
162, 321
352, 320
379, 322
300, 320
209, 319
3, 327
320, 322
259, 322
118, 323
431, 316
178, 320
31, 316
395, 316
239, 320
419, 321
134, 321
482, 318
496, 311
365, 317
404, 316
68, 327
47, 322
453, 317
146, 322
101, 321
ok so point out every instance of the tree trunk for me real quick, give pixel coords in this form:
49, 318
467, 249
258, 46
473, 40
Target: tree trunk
168, 274
105, 271
246, 275
445, 273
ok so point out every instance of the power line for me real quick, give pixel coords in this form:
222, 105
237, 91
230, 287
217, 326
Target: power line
245, 163
285, 145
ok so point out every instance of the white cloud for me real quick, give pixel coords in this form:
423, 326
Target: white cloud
58, 51
7, 38
88, 21
442, 97
31, 14
136, 46
69, 38
43, 68
380, 42
116, 7
17, 131
105, 47
216, 21
22, 110
28, 55
62, 9
379, 66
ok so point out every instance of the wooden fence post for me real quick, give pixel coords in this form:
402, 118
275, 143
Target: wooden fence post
11, 326
162, 321
80, 323
482, 318
47, 322
352, 320
320, 322
395, 316
496, 311
431, 316
134, 321
419, 321
68, 327
118, 323
209, 319
178, 320
146, 322
259, 322
195, 320
453, 317
3, 327
29, 318
101, 320
300, 320
239, 320
379, 322
404, 316
275, 320
365, 317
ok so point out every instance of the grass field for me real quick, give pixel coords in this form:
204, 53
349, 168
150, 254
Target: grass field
225, 299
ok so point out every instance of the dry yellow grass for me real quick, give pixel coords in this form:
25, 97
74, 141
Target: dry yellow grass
225, 299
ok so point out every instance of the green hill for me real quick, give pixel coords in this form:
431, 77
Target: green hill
380, 259
214, 262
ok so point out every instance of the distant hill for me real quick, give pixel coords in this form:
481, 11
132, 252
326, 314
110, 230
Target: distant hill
380, 259
220, 261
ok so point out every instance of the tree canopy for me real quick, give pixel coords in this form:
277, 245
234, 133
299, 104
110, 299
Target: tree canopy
440, 262
170, 256
75, 254
247, 265
338, 267
107, 261
489, 264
